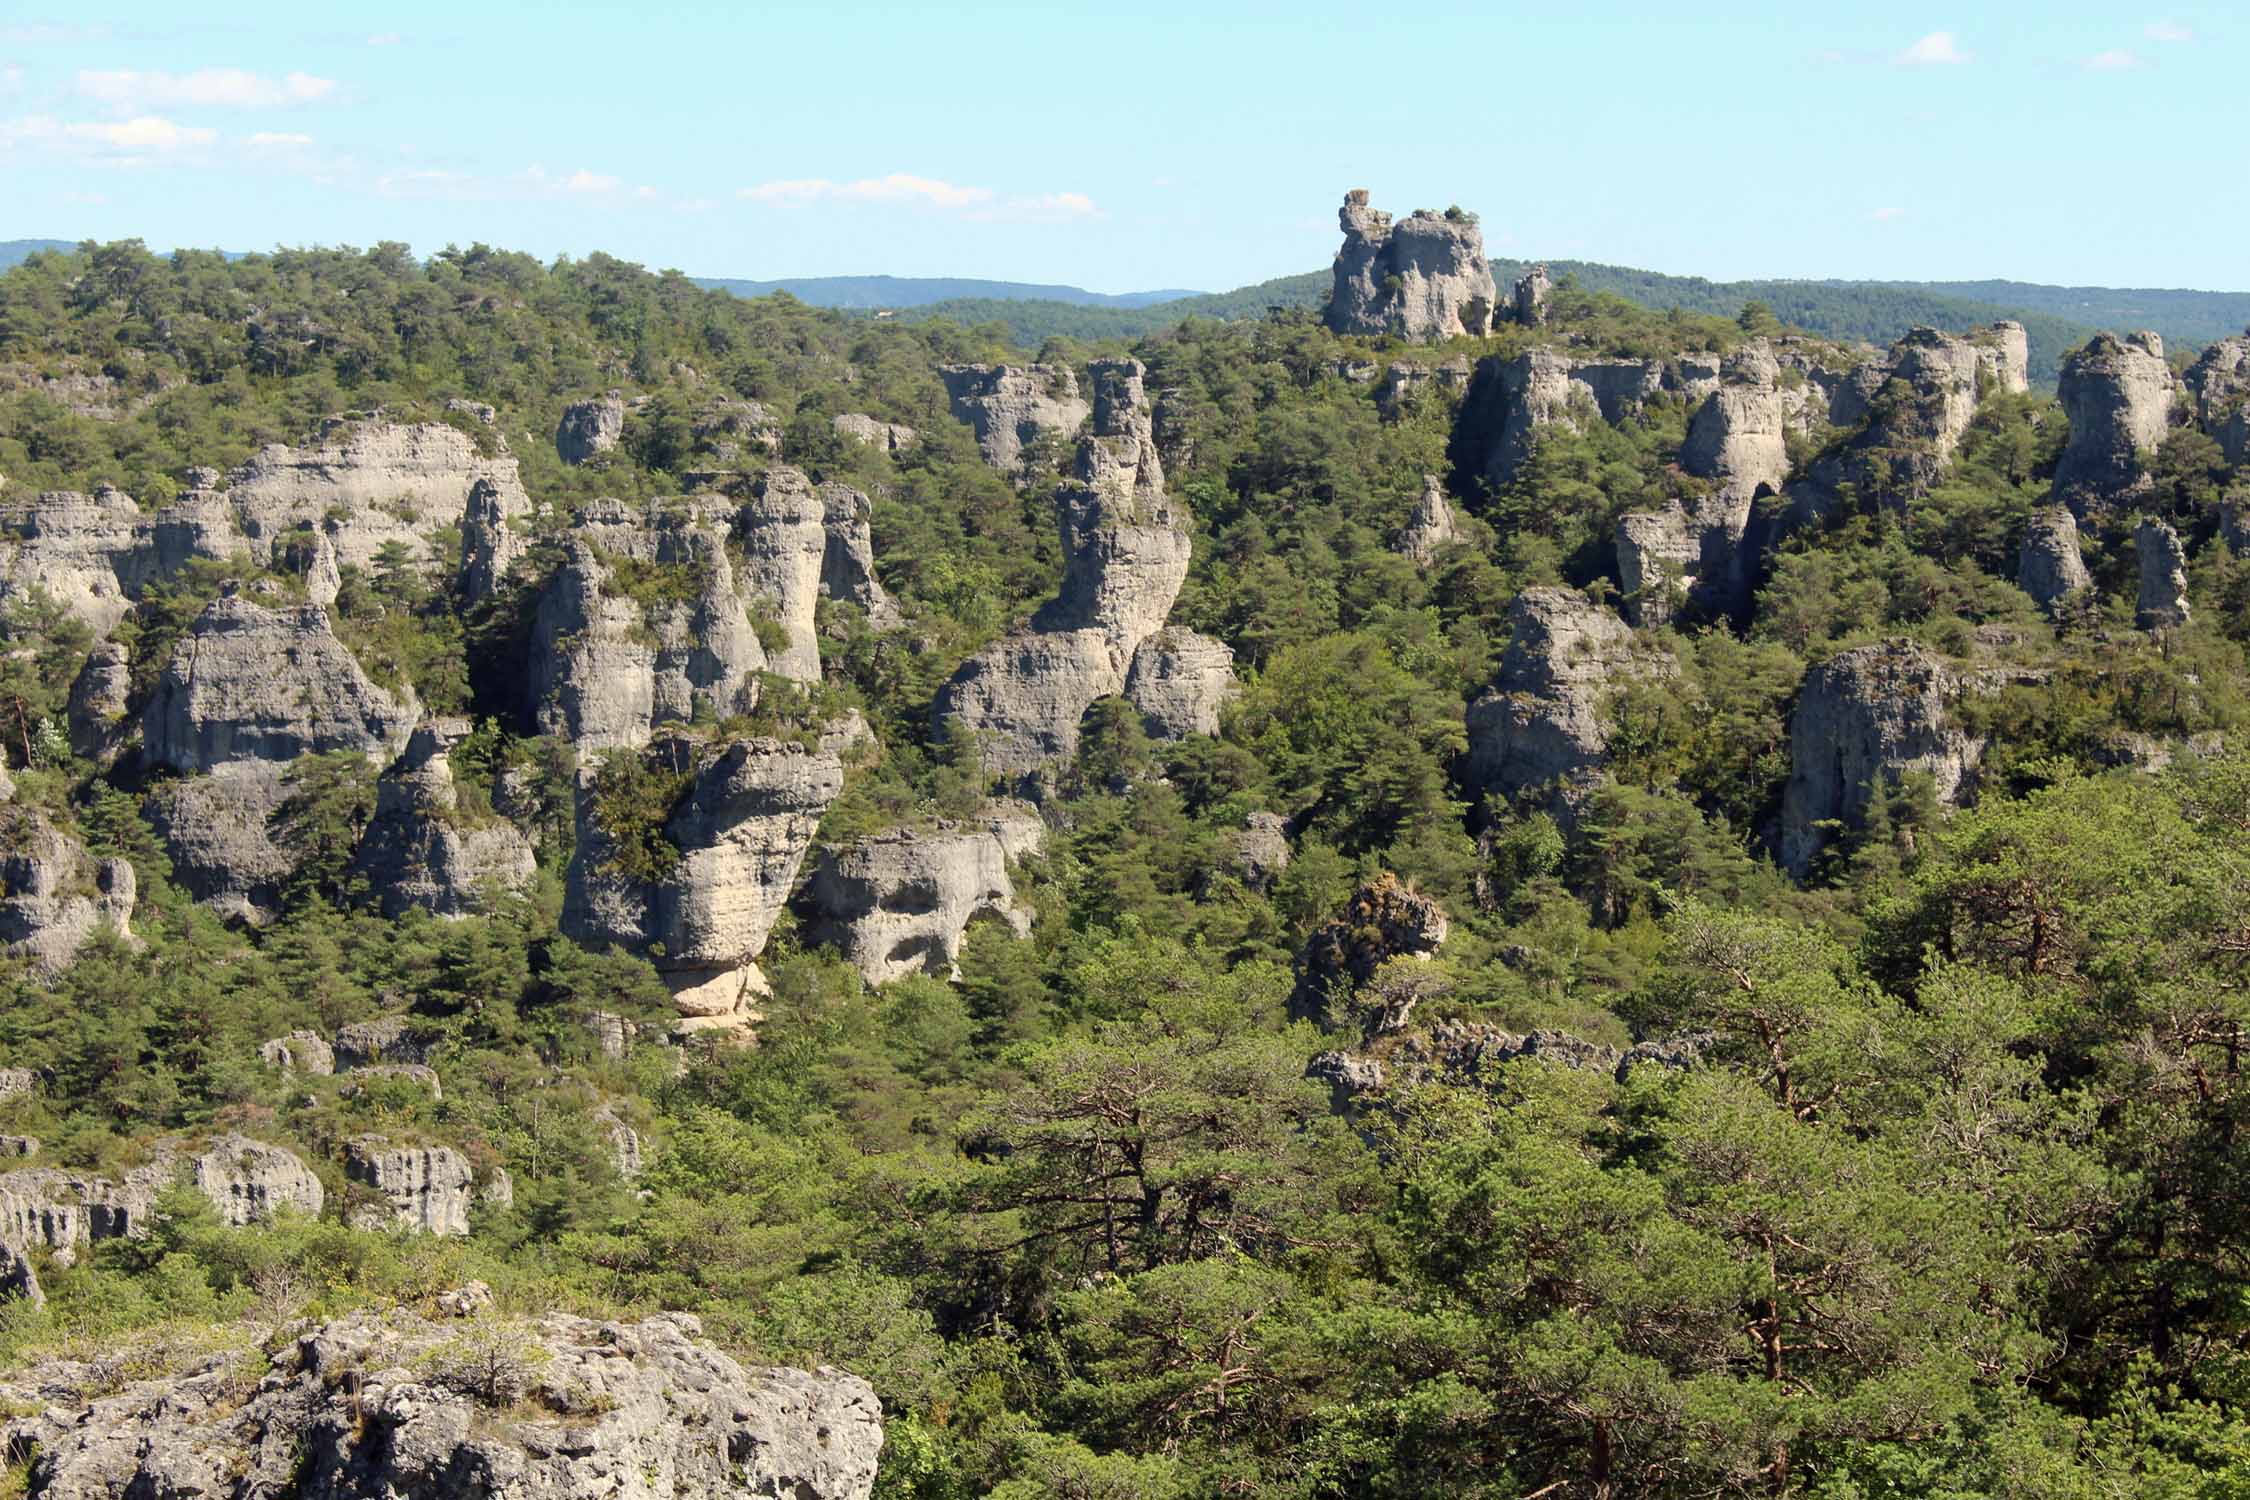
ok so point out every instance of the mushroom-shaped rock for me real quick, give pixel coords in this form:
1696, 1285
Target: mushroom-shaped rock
250, 683
1010, 406
423, 848
2163, 602
2118, 398
900, 903
1422, 277
2050, 567
1179, 680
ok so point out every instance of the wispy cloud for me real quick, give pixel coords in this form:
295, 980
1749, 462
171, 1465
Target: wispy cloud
583, 181
276, 140
11, 78
2167, 31
1885, 215
48, 33
129, 91
2116, 60
1938, 49
385, 39
138, 142
898, 187
533, 182
1042, 208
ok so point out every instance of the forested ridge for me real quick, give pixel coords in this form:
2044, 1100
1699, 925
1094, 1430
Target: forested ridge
1427, 1068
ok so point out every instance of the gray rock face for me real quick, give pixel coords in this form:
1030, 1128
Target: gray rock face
589, 428
1513, 399
2004, 352
75, 549
489, 545
1431, 528
1866, 719
1403, 381
99, 699
393, 1405
2118, 398
1923, 398
1179, 680
1260, 848
900, 903
1738, 436
1530, 298
1660, 560
66, 1210
422, 849
1383, 920
890, 437
247, 1180
1473, 1054
1424, 277
1012, 405
2051, 568
219, 831
2163, 603
2220, 382
54, 897
1025, 694
1539, 729
250, 683
385, 1039
847, 565
305, 1052
426, 1189
784, 534
742, 828
19, 1279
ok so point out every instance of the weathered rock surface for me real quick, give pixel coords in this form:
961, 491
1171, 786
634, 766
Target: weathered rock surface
1383, 920
427, 1189
1539, 731
1530, 299
1432, 527
2118, 398
100, 697
75, 549
1403, 381
1179, 680
419, 1075
250, 683
384, 1039
1922, 399
741, 828
220, 833
890, 437
1511, 400
19, 1278
1471, 1054
1260, 848
248, 1181
1423, 277
490, 546
2220, 382
305, 1052
1025, 694
784, 534
393, 1405
847, 566
54, 897
2004, 351
590, 428
2050, 567
900, 903
1012, 405
424, 848
2163, 602
1865, 719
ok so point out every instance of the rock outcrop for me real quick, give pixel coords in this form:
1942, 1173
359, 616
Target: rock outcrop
1011, 405
384, 1039
424, 848
2118, 399
251, 683
590, 428
1403, 381
1431, 528
248, 1181
2220, 382
1473, 1054
1511, 400
305, 1052
426, 1189
900, 903
1423, 277
2163, 602
391, 1404
740, 828
1865, 719
2004, 352
54, 897
1383, 920
2050, 567
847, 566
1538, 732
1260, 848
783, 532
1530, 299
74, 548
1921, 400
890, 437
1179, 680
490, 546
220, 833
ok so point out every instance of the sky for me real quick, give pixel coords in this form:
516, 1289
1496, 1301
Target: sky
1158, 144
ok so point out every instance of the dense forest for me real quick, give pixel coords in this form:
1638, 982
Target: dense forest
1657, 1164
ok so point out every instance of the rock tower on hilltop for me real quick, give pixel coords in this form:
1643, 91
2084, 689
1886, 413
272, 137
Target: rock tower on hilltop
1424, 277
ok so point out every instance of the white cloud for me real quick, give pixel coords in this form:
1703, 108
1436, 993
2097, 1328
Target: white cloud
898, 187
11, 78
646, 194
208, 88
1938, 49
274, 140
1885, 215
2116, 60
142, 133
425, 182
1042, 208
2167, 31
583, 181
91, 200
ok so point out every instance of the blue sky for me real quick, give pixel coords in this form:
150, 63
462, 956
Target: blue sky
1123, 147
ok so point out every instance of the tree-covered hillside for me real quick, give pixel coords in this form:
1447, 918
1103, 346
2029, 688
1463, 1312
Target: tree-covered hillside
1641, 905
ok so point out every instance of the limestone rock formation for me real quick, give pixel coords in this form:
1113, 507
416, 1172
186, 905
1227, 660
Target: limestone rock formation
1865, 719
1179, 680
1260, 848
2051, 568
1025, 694
364, 1080
1511, 400
75, 549
1929, 389
2163, 603
590, 428
1475, 1054
2004, 352
489, 545
1012, 405
392, 1404
1423, 277
19, 1278
426, 1189
248, 683
901, 902
423, 848
783, 530
54, 897
220, 833
100, 697
305, 1052
890, 437
1661, 557
384, 1039
2220, 382
1432, 526
2118, 399
1530, 300
66, 1210
1383, 920
847, 566
1738, 436
1403, 381
741, 827
247, 1180
1538, 731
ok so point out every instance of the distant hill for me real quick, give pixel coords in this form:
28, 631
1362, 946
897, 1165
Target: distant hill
16, 252
872, 292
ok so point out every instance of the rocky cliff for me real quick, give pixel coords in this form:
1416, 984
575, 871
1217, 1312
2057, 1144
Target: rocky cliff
1919, 402
2219, 381
900, 903
1180, 680
1011, 405
54, 897
1432, 527
1423, 277
2163, 601
2051, 567
847, 565
590, 428
219, 831
2118, 399
783, 533
425, 848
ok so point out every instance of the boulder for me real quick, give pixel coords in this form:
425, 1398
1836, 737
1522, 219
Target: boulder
1383, 920
1538, 732
2050, 567
1431, 528
384, 1039
251, 683
589, 428
388, 1403
847, 565
100, 703
1179, 680
54, 897
247, 1180
1010, 406
901, 902
423, 848
305, 1052
1530, 299
359, 1081
220, 832
426, 1189
890, 437
1865, 719
1423, 277
2163, 603
783, 530
2118, 399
